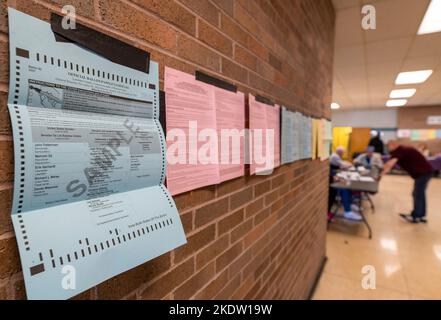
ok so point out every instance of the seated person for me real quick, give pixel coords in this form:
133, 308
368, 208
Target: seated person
370, 160
337, 163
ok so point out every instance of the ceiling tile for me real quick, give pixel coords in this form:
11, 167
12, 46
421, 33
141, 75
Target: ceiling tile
389, 50
348, 27
426, 45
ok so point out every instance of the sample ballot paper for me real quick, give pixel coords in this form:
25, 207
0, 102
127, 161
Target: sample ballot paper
89, 199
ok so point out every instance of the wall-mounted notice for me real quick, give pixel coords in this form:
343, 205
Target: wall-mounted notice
264, 136
314, 147
205, 133
296, 136
89, 199
325, 130
288, 140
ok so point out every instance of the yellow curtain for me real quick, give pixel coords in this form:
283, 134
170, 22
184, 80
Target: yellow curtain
341, 137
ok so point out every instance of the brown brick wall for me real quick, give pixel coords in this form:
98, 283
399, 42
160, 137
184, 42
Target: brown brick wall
252, 237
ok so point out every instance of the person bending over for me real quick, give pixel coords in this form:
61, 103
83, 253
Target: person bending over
412, 161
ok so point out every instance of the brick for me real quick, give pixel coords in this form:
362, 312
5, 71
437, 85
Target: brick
245, 58
187, 221
227, 257
240, 262
233, 30
183, 201
261, 216
241, 230
5, 209
205, 9
212, 251
262, 188
213, 287
165, 284
127, 19
4, 61
271, 197
228, 290
3, 290
230, 222
7, 160
9, 257
83, 8
5, 122
123, 284
226, 5
274, 61
215, 39
203, 195
241, 198
234, 71
211, 211
196, 282
246, 20
171, 12
230, 186
243, 289
258, 49
253, 207
3, 16
197, 53
195, 242
254, 235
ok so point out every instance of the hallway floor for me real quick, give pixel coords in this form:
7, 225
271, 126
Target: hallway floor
406, 257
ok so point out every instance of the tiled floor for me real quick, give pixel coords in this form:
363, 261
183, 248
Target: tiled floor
406, 257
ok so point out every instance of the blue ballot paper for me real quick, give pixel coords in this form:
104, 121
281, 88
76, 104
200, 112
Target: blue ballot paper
89, 195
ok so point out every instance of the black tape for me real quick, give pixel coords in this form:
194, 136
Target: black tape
200, 76
264, 100
162, 118
102, 44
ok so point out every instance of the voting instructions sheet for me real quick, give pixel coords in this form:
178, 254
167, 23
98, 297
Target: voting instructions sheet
89, 195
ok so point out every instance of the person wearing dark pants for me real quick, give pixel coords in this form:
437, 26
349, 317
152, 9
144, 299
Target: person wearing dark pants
412, 161
419, 197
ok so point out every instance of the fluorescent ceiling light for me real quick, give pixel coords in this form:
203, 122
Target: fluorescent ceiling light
396, 103
335, 106
402, 93
432, 19
413, 77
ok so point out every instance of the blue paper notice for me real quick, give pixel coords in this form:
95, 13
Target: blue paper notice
89, 195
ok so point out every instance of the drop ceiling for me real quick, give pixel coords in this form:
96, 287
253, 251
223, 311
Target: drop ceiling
367, 62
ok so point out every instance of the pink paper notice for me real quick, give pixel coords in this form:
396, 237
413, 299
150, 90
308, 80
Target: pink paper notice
264, 136
205, 133
191, 120
230, 118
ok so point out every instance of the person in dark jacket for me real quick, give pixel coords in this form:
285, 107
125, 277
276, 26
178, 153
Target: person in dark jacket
412, 161
377, 143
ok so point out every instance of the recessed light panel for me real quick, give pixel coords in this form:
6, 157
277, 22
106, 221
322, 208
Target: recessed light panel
396, 103
402, 93
432, 19
413, 77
